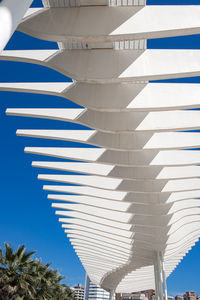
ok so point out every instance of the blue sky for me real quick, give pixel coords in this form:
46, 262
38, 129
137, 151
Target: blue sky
26, 216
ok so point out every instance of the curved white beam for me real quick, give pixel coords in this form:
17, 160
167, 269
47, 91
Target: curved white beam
118, 141
109, 183
128, 23
118, 122
104, 66
150, 172
136, 96
132, 158
136, 197
93, 201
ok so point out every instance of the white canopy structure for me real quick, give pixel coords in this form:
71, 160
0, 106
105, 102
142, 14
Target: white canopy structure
131, 210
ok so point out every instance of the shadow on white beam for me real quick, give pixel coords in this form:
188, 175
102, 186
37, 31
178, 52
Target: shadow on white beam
106, 66
108, 97
128, 23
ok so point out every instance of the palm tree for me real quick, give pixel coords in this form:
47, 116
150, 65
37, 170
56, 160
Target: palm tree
14, 279
22, 278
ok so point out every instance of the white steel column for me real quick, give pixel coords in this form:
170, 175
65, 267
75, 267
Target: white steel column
11, 13
156, 280
164, 277
111, 294
160, 277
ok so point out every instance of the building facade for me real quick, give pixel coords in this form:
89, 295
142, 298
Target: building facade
78, 291
94, 292
133, 296
188, 296
142, 295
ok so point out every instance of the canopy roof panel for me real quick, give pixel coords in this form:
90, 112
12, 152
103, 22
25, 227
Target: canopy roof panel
131, 203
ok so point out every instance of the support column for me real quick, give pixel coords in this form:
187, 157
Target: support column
11, 13
112, 295
156, 281
160, 277
164, 277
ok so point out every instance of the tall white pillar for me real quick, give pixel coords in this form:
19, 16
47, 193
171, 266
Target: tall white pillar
156, 280
11, 13
164, 277
112, 295
160, 278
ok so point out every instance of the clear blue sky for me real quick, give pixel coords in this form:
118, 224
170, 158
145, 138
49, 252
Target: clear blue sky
26, 216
